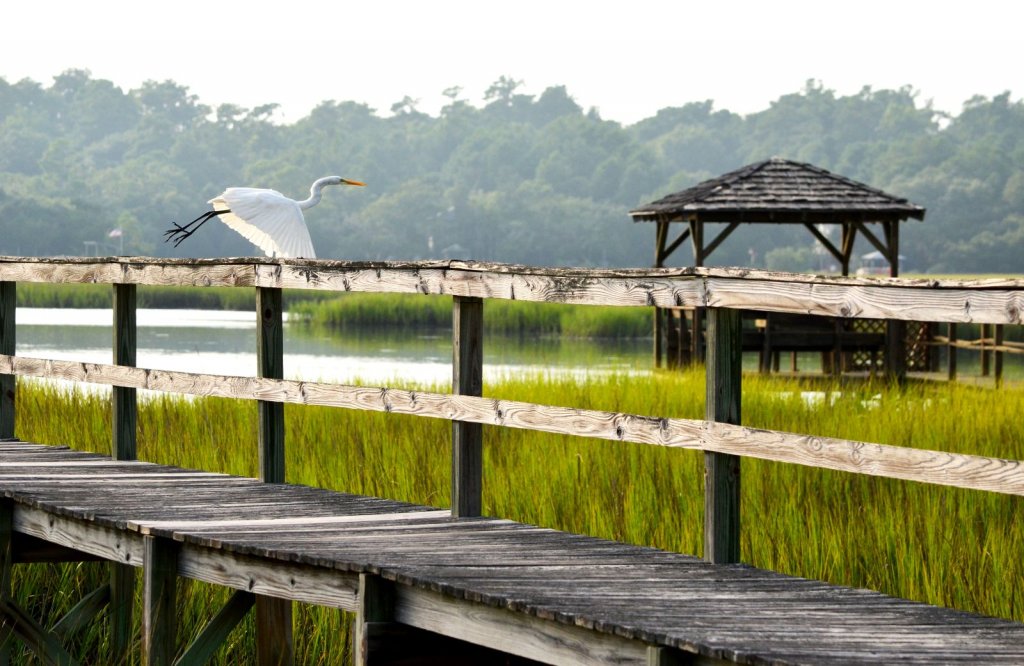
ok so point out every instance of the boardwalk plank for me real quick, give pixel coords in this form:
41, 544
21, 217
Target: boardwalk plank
531, 591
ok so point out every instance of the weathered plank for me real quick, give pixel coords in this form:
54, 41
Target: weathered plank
989, 301
942, 468
511, 586
270, 579
467, 379
513, 633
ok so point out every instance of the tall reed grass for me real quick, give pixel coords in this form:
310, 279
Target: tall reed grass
939, 545
355, 311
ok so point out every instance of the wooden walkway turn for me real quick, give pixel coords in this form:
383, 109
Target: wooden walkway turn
528, 591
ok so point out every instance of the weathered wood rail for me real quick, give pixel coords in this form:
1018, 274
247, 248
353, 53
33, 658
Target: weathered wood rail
511, 587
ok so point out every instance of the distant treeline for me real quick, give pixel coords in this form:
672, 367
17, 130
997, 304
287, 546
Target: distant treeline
86, 167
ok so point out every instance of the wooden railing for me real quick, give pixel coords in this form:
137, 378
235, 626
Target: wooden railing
724, 292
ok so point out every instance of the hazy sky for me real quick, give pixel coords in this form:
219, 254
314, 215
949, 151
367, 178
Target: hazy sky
627, 58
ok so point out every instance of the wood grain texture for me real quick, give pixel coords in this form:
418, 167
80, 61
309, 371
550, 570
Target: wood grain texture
988, 301
951, 469
280, 580
561, 597
513, 633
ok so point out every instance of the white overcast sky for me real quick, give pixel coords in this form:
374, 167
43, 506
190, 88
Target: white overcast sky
628, 58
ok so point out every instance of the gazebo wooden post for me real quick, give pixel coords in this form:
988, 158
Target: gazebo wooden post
659, 313
895, 331
697, 236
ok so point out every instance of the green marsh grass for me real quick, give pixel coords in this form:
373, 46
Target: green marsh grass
939, 545
353, 311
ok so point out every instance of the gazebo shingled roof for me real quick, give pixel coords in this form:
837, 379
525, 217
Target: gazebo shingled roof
779, 191
775, 191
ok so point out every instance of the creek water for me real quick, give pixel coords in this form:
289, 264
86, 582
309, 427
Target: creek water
224, 342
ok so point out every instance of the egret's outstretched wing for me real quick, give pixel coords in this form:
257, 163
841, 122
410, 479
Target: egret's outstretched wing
268, 219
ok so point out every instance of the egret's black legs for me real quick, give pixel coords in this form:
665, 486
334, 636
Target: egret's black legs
180, 233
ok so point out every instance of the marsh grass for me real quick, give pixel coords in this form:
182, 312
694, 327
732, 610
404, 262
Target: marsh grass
939, 545
355, 311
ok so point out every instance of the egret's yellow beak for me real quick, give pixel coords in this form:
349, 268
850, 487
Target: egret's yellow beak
352, 182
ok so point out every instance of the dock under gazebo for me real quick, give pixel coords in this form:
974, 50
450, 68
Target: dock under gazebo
781, 191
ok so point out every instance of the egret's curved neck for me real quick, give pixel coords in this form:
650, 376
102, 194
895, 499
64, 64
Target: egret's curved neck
315, 193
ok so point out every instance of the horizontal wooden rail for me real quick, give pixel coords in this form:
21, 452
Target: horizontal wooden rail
717, 293
983, 301
985, 345
935, 467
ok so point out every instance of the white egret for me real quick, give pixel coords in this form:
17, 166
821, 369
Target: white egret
266, 218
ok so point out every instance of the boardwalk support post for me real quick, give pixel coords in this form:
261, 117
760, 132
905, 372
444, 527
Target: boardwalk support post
376, 606
274, 642
8, 296
125, 419
159, 606
721, 470
6, 562
467, 379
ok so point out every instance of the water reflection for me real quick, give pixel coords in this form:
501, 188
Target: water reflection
224, 342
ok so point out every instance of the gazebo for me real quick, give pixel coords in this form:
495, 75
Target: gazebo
777, 191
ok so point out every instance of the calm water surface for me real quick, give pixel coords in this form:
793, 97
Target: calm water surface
224, 342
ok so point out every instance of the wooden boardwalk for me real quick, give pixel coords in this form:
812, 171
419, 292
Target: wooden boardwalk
528, 591
426, 582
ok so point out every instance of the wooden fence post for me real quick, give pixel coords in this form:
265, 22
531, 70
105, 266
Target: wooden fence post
723, 364
8, 297
951, 356
123, 447
274, 642
160, 612
986, 356
467, 379
998, 342
270, 361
